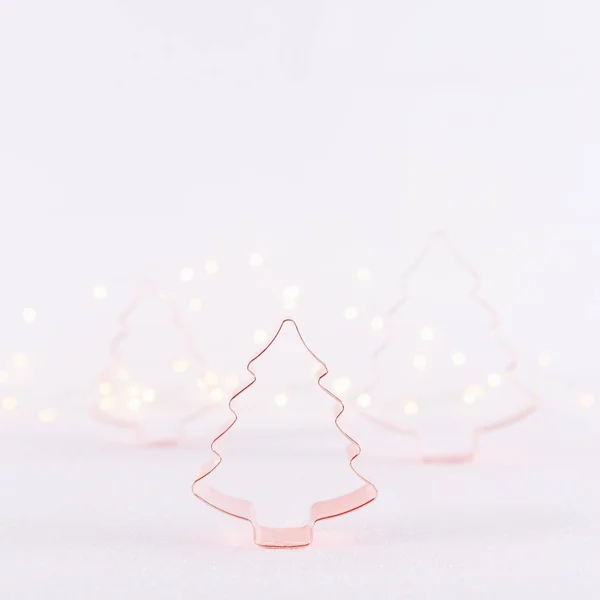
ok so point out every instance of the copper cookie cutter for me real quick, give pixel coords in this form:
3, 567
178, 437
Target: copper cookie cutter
509, 369
143, 289
284, 537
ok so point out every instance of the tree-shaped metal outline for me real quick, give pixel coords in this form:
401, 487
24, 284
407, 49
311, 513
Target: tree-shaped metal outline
144, 288
509, 369
284, 537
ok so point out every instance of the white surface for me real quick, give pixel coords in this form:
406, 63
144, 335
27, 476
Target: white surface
138, 137
82, 518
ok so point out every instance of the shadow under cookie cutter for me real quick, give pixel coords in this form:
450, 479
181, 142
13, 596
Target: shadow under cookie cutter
284, 537
508, 372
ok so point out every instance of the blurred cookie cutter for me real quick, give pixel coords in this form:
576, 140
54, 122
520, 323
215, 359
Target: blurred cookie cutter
144, 288
508, 373
284, 537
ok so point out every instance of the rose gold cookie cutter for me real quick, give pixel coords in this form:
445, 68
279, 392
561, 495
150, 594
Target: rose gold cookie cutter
509, 369
142, 289
284, 537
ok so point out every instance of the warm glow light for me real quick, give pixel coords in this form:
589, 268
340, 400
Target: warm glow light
256, 260
281, 400
4, 376
134, 404
363, 274
186, 274
47, 415
364, 400
122, 373
426, 334
473, 393
211, 378
350, 313
180, 365
29, 315
260, 336
341, 386
105, 388
411, 408
458, 358
419, 362
377, 323
544, 360
587, 400
291, 292
19, 360
211, 267
149, 395
289, 304
231, 381
10, 403
494, 379
134, 390
100, 292
200, 383
195, 304
217, 394
106, 403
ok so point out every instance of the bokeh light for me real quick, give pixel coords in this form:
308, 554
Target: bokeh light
363, 400
48, 415
281, 400
195, 304
29, 315
419, 362
363, 274
350, 313
458, 359
100, 292
211, 267
256, 259
186, 274
9, 403
427, 334
411, 408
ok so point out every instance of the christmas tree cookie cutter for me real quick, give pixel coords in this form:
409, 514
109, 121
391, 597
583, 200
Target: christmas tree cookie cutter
494, 323
284, 537
144, 288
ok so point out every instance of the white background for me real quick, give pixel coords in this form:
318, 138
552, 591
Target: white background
139, 137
